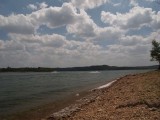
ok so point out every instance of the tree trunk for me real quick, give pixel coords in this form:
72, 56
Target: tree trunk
159, 65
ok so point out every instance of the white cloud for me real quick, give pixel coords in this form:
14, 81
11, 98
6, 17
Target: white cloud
57, 48
133, 50
55, 16
47, 50
136, 40
1, 44
76, 23
52, 17
97, 45
37, 6
108, 33
88, 4
83, 26
16, 24
155, 24
55, 40
134, 3
57, 51
136, 55
32, 7
135, 18
42, 5
132, 40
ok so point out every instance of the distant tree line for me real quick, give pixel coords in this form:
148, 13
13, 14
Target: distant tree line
26, 69
86, 68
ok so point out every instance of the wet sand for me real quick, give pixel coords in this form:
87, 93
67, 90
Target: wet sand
129, 97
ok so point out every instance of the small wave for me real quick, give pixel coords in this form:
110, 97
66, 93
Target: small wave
106, 85
93, 72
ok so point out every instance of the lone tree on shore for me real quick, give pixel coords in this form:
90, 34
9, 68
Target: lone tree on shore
155, 52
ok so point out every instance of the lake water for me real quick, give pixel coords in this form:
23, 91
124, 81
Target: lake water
22, 91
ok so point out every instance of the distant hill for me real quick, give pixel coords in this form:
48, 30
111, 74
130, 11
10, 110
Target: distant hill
85, 68
104, 67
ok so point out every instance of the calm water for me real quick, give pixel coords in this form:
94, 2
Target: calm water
22, 91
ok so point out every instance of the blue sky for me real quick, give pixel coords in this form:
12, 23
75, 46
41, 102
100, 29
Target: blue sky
64, 33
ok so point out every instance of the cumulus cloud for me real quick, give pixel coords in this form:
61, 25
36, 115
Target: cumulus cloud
57, 51
88, 4
53, 40
37, 6
54, 49
32, 7
42, 5
84, 26
78, 23
54, 16
97, 45
135, 18
27, 24
139, 40
16, 24
108, 33
132, 40
1, 44
155, 24
133, 2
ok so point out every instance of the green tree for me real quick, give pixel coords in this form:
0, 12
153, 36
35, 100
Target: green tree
155, 52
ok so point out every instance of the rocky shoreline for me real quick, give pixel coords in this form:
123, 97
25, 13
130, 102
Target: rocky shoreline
68, 111
130, 97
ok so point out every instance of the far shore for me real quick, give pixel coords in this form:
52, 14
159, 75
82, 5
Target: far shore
84, 68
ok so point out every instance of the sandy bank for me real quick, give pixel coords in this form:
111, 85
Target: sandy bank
130, 97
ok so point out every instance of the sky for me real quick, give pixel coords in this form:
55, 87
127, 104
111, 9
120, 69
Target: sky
69, 33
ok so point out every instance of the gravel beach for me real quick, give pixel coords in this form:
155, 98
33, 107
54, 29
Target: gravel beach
130, 97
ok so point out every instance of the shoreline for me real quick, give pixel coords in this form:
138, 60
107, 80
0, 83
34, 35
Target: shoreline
80, 103
74, 107
86, 106
107, 85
